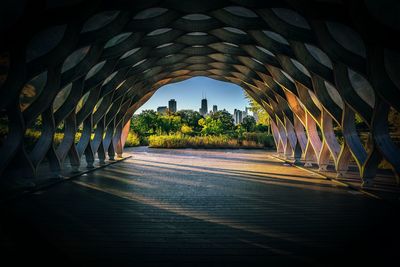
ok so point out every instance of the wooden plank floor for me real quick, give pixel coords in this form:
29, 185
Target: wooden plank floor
199, 208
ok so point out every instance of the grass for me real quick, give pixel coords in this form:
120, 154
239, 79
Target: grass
260, 138
221, 141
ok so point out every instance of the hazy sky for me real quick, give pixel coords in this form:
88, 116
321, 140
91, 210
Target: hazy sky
188, 95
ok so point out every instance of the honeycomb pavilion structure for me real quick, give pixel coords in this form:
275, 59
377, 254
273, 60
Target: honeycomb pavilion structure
87, 66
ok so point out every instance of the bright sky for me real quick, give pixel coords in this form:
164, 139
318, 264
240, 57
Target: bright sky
188, 95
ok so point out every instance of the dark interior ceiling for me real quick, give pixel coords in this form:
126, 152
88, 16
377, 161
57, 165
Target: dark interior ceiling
312, 65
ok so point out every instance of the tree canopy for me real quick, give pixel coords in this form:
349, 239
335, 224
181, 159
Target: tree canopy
191, 123
190, 118
225, 118
249, 123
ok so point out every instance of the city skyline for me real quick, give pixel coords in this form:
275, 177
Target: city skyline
188, 95
237, 114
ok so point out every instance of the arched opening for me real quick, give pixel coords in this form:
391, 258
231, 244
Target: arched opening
200, 112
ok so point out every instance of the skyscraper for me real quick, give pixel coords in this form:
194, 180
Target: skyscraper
215, 108
204, 107
162, 109
246, 112
172, 105
238, 116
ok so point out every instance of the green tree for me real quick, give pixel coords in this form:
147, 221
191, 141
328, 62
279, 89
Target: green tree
169, 123
259, 111
146, 122
249, 123
190, 118
226, 119
211, 126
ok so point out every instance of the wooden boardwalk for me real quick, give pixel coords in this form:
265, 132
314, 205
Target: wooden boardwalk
199, 208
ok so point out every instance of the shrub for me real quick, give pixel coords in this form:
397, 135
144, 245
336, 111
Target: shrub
209, 141
185, 129
263, 139
250, 143
261, 128
32, 136
132, 140
168, 141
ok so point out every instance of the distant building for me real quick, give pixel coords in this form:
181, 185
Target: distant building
204, 107
246, 112
234, 115
162, 109
172, 105
237, 116
215, 108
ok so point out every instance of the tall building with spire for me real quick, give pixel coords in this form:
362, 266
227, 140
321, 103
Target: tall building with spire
172, 105
204, 107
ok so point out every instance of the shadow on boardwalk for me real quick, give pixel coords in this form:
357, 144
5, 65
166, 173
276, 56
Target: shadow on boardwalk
163, 209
